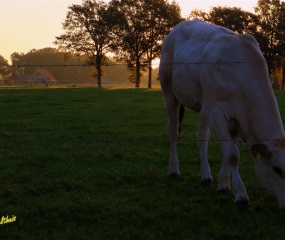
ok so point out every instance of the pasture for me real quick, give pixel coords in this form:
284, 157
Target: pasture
93, 164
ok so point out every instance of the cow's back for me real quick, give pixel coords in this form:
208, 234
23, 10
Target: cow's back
200, 58
190, 36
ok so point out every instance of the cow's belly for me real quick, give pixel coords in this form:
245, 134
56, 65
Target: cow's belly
187, 88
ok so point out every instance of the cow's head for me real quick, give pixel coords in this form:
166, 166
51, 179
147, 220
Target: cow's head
269, 159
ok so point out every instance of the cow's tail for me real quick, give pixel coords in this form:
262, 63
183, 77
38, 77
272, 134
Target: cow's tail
181, 116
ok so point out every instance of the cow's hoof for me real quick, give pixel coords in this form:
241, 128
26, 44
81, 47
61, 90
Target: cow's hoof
242, 203
207, 182
224, 190
174, 176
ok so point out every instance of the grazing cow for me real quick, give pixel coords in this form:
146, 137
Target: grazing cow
224, 77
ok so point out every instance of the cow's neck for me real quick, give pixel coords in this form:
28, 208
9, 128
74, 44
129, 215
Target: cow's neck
264, 118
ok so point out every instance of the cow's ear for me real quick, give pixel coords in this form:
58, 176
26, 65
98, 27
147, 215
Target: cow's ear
260, 151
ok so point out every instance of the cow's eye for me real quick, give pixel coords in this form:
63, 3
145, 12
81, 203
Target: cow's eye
278, 171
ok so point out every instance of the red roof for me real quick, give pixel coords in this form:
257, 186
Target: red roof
45, 73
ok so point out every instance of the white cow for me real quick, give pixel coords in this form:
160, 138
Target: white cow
222, 75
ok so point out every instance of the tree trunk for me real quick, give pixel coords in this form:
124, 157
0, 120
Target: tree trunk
99, 75
138, 74
282, 87
99, 82
149, 75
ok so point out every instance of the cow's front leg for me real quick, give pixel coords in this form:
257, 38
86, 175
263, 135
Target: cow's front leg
224, 175
230, 165
203, 138
220, 128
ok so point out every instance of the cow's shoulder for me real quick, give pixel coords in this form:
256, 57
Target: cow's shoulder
249, 41
248, 38
197, 29
195, 34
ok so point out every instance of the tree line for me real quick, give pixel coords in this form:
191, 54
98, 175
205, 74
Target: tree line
132, 31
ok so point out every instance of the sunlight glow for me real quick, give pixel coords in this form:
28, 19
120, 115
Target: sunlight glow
155, 63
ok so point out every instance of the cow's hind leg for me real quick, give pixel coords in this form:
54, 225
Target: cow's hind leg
173, 107
220, 128
203, 138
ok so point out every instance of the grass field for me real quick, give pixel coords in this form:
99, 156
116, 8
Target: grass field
93, 164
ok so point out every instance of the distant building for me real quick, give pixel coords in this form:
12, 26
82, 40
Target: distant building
42, 76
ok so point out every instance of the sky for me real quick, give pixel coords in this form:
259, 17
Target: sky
34, 24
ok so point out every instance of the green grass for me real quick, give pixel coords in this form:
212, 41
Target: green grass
92, 164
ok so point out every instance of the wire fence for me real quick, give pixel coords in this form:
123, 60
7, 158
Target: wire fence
76, 75
114, 74
133, 140
142, 64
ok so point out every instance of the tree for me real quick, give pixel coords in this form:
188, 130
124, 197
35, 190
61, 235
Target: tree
88, 32
143, 27
133, 42
4, 66
16, 61
271, 14
162, 18
234, 18
199, 14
